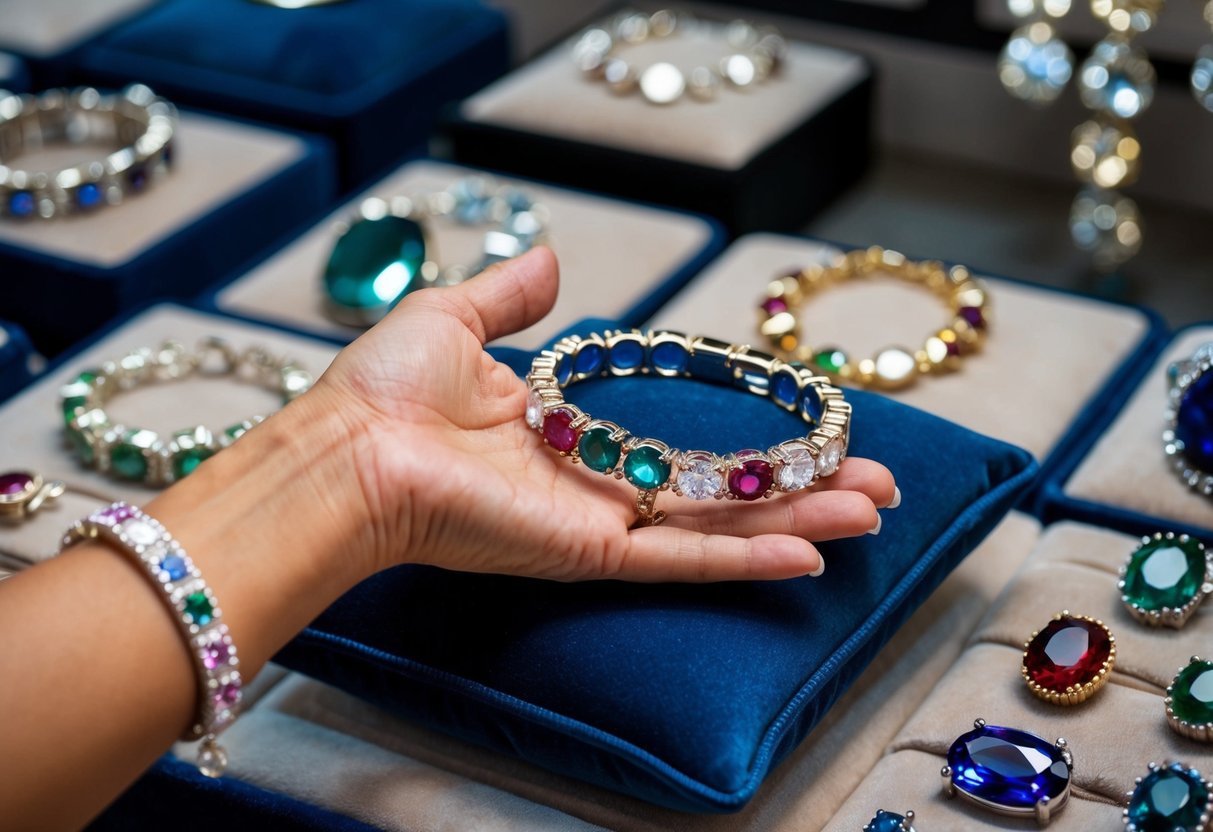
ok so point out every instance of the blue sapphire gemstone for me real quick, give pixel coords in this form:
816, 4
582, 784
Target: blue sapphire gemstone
1008, 767
88, 195
627, 355
21, 204
174, 567
670, 357
785, 388
888, 822
811, 405
1194, 423
589, 359
564, 369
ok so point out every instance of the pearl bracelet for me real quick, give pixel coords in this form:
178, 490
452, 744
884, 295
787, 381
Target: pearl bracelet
138, 123
195, 611
649, 464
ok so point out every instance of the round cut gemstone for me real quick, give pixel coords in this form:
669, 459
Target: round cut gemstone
215, 653
557, 430
140, 532
174, 566
1192, 693
589, 359
887, 822
21, 204
88, 195
534, 410
662, 83
128, 461
14, 483
116, 514
598, 450
698, 479
199, 607
375, 263
1068, 653
830, 360
627, 355
773, 306
1008, 767
895, 367
973, 316
830, 457
1194, 423
212, 760
227, 695
797, 470
1170, 799
751, 479
645, 469
1164, 573
670, 357
188, 459
785, 388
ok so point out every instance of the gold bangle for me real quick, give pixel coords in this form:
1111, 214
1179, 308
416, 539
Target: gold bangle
893, 367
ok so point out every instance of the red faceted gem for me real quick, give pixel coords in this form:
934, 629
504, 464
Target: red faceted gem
751, 479
557, 432
1068, 653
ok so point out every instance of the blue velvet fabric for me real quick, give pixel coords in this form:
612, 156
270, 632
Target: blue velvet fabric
371, 74
682, 695
14, 74
15, 351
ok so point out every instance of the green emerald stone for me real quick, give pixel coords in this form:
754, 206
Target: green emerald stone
71, 405
80, 445
598, 450
830, 360
1171, 799
375, 263
88, 376
187, 459
199, 608
645, 469
236, 431
1192, 693
128, 461
1164, 573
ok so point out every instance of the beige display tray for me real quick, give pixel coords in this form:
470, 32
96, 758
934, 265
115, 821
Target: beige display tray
1127, 468
1047, 353
611, 253
46, 27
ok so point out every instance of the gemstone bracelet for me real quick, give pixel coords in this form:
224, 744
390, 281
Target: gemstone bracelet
141, 455
894, 367
650, 464
136, 122
1188, 439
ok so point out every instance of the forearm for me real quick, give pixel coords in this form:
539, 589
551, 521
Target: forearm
97, 680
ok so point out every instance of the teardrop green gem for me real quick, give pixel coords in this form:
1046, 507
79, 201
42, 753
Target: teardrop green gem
375, 263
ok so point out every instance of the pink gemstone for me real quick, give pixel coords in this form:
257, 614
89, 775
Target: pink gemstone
773, 306
15, 482
557, 432
751, 479
227, 695
953, 347
215, 654
117, 513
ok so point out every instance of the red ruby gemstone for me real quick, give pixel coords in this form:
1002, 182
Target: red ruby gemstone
953, 347
973, 316
751, 479
1069, 652
557, 432
773, 306
14, 482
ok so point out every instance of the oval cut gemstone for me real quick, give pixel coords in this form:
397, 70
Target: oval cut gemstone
773, 306
21, 204
1194, 423
830, 457
627, 355
534, 410
670, 357
785, 388
812, 408
598, 450
1192, 694
188, 459
751, 479
128, 461
1164, 573
698, 479
88, 195
888, 822
1170, 799
645, 469
557, 432
14, 483
1068, 653
973, 316
1009, 767
564, 370
375, 263
174, 566
589, 359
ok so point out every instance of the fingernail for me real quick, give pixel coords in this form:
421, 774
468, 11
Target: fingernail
876, 529
896, 501
821, 567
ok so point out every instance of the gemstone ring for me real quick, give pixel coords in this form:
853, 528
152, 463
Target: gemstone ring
1173, 797
653, 466
1068, 660
1188, 438
1190, 700
1166, 579
890, 822
22, 493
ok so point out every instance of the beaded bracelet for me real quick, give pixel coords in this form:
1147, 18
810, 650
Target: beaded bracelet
141, 455
894, 367
649, 464
754, 55
196, 612
136, 121
1188, 438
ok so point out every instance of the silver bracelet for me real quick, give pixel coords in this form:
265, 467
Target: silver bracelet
195, 611
136, 122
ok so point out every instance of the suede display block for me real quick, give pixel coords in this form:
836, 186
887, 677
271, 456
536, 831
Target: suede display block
233, 189
684, 696
1120, 475
370, 75
14, 74
598, 275
766, 157
15, 356
1053, 362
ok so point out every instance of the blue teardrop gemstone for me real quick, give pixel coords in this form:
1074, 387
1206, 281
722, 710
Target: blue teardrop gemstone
1009, 767
1194, 423
887, 822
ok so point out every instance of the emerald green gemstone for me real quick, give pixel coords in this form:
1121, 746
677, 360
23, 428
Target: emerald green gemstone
598, 450
645, 469
1192, 693
1164, 573
375, 263
128, 461
80, 445
199, 607
187, 459
830, 360
236, 431
88, 376
71, 404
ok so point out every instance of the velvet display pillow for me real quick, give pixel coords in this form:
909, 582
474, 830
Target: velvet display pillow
682, 695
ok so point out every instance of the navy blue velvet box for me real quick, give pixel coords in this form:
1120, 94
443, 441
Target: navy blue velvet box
371, 75
14, 74
15, 354
50, 34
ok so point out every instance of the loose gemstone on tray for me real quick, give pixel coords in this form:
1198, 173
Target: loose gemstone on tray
1165, 573
750, 479
1191, 693
1067, 654
1171, 799
557, 430
1008, 767
888, 822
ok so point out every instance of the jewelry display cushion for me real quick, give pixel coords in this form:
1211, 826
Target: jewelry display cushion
15, 354
1052, 362
625, 275
1074, 567
684, 696
371, 74
765, 157
233, 189
1120, 477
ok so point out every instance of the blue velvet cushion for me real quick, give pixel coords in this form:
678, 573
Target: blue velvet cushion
682, 695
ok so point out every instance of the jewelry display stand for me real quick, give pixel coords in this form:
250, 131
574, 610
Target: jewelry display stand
624, 274
230, 182
753, 157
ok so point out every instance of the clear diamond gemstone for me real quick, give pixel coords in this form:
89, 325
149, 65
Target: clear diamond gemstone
212, 759
797, 470
534, 410
699, 480
141, 533
831, 456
